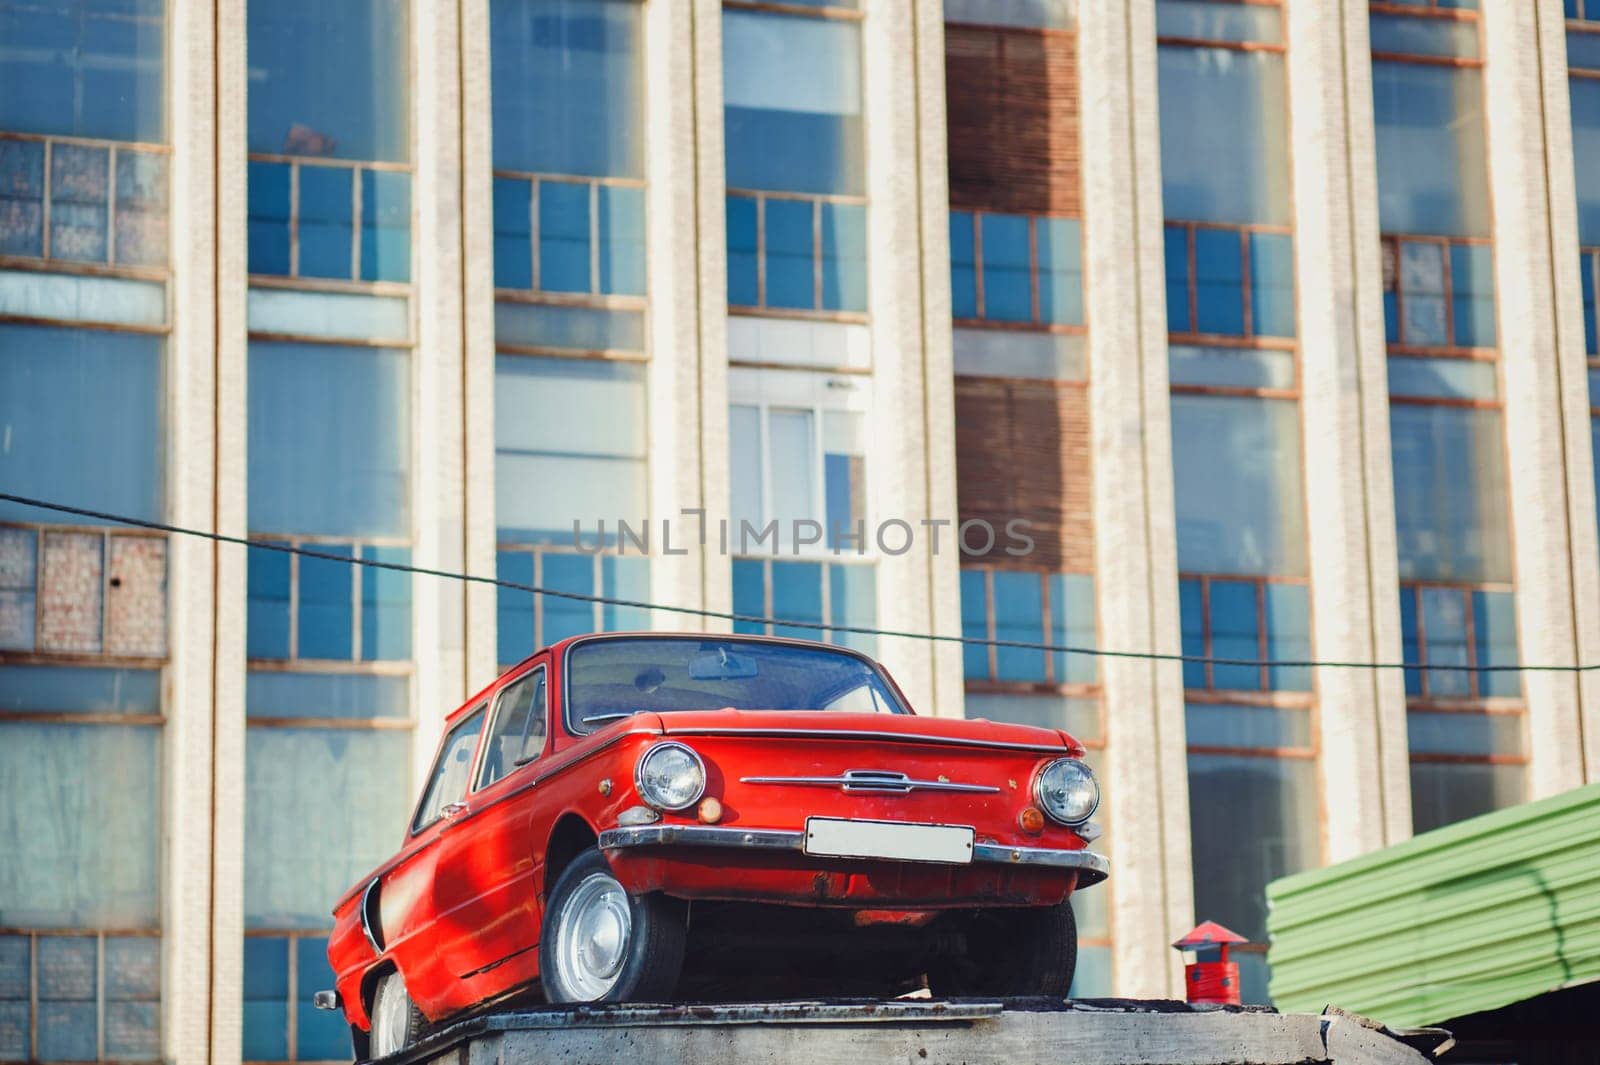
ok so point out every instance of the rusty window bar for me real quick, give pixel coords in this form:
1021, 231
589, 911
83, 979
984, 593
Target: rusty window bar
1193, 334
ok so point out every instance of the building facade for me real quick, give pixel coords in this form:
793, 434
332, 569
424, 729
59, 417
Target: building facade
1273, 320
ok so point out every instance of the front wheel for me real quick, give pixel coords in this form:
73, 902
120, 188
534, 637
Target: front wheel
396, 1021
599, 944
1012, 953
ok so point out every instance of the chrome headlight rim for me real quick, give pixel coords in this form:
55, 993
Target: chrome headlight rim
1038, 791
653, 800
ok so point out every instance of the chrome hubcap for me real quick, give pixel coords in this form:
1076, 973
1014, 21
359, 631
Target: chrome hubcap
592, 940
390, 1012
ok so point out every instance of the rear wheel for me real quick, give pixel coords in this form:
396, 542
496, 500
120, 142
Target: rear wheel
599, 944
1012, 953
396, 1021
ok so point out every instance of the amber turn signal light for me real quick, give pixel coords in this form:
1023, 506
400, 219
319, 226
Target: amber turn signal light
1031, 820
710, 811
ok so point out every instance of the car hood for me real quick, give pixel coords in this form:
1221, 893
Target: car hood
881, 728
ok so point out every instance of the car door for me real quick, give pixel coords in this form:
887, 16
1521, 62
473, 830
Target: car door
493, 850
414, 901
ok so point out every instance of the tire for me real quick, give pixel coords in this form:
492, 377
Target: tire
1012, 953
599, 944
396, 1021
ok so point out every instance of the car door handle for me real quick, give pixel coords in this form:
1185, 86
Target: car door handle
452, 811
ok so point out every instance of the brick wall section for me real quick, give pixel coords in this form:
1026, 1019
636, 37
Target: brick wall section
136, 597
1013, 120
70, 591
1022, 451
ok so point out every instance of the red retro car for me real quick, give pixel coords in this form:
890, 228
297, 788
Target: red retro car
633, 817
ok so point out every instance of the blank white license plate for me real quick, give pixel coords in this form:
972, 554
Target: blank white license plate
897, 840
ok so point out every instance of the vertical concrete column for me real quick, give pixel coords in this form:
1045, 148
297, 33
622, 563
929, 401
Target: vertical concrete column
1152, 888
187, 881
438, 518
1345, 407
687, 386
477, 341
912, 424
1545, 379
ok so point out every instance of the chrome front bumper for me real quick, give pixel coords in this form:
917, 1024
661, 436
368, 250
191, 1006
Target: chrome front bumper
1092, 868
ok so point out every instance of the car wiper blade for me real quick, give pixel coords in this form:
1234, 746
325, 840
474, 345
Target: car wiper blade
614, 716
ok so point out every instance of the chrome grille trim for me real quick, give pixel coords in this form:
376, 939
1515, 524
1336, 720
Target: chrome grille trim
876, 781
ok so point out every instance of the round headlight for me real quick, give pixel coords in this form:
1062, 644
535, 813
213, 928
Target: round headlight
670, 776
1066, 790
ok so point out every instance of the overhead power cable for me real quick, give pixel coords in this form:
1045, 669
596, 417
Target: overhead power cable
759, 619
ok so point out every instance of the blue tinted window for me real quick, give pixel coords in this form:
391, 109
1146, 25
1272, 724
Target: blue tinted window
84, 68
567, 617
330, 449
566, 86
1585, 97
790, 258
1072, 624
385, 605
1177, 254
853, 601
974, 624
1007, 280
320, 1035
1224, 135
347, 696
963, 267
266, 998
1411, 648
1444, 625
1235, 633
1472, 294
625, 578
267, 627
749, 595
21, 196
513, 233
1060, 249
141, 208
1288, 635
327, 608
80, 420
514, 608
743, 277
1019, 616
621, 226
563, 237
269, 195
385, 225
1425, 114
327, 220
1422, 294
330, 79
1192, 617
797, 596
1450, 493
1271, 285
792, 103
1219, 281
1494, 627
1237, 473
844, 257
1586, 269
80, 185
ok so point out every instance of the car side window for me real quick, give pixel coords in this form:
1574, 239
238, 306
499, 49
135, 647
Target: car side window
448, 782
518, 734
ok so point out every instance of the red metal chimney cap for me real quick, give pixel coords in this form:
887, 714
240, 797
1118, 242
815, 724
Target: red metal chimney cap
1208, 934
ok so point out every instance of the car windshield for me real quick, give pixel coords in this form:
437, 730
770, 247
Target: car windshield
609, 679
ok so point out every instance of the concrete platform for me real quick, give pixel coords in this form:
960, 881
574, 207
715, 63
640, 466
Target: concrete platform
923, 1032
